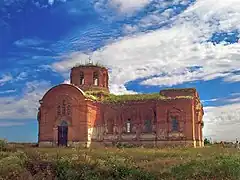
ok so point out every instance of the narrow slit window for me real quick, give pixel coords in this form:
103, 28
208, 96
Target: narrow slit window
64, 107
81, 78
58, 110
155, 116
104, 80
110, 126
175, 124
68, 109
128, 126
95, 78
148, 126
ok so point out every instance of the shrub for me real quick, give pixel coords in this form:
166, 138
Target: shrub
207, 142
40, 169
12, 166
3, 145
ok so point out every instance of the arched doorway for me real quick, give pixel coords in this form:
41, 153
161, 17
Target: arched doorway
63, 134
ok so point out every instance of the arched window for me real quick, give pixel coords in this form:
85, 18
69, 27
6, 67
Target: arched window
81, 78
175, 124
64, 108
148, 126
95, 78
128, 126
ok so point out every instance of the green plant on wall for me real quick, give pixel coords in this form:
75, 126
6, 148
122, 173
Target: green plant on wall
137, 97
112, 98
97, 64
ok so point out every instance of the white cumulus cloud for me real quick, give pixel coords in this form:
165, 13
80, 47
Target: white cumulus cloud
125, 6
222, 122
4, 79
24, 107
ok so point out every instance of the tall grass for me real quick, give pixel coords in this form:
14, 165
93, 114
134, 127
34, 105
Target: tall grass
124, 163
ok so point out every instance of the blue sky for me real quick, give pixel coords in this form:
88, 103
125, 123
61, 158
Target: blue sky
148, 45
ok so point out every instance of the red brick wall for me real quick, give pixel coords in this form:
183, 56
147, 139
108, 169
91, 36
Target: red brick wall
182, 108
89, 120
88, 77
50, 119
138, 112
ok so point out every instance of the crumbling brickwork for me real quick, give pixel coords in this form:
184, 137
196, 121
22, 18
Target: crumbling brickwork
85, 113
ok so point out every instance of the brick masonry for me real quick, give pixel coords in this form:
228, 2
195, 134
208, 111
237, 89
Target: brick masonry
93, 123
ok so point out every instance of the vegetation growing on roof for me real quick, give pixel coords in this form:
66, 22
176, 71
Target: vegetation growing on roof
97, 92
112, 98
94, 95
97, 64
132, 97
89, 96
180, 89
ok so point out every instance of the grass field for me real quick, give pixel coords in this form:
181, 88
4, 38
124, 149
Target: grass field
23, 162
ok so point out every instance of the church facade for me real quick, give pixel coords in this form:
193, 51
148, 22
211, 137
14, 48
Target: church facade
85, 113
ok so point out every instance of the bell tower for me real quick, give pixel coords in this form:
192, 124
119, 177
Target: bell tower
90, 77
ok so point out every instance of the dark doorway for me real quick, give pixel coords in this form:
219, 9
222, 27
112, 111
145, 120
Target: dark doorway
63, 134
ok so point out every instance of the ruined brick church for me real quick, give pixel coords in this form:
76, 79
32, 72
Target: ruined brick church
85, 113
